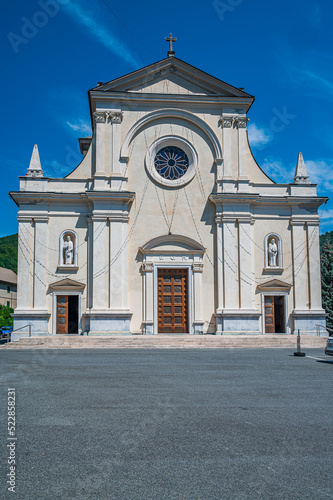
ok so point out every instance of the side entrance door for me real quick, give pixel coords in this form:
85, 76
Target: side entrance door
173, 301
62, 313
274, 314
67, 314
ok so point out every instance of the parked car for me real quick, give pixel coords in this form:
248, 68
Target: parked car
329, 346
6, 332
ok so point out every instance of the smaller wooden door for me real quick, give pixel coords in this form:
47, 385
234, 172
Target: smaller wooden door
269, 314
62, 313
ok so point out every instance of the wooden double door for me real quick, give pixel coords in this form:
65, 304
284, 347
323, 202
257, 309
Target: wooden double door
173, 301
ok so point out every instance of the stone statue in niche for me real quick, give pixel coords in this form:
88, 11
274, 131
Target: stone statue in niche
68, 250
272, 253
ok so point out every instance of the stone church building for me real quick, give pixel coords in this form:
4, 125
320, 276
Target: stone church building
168, 224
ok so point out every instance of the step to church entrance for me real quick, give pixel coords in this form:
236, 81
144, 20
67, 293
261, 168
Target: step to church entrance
165, 342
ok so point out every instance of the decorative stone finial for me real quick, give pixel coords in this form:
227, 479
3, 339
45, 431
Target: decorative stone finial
301, 175
35, 167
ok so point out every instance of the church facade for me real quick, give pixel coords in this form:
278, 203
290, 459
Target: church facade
168, 224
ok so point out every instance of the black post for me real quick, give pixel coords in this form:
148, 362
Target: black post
298, 352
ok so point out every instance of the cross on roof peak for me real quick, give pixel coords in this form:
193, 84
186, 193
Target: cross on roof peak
170, 39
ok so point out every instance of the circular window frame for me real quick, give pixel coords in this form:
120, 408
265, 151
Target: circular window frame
179, 142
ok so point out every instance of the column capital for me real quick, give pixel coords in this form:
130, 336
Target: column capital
226, 122
100, 116
197, 267
241, 121
147, 267
115, 116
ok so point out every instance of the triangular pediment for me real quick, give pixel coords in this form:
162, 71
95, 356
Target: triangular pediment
67, 284
171, 76
274, 284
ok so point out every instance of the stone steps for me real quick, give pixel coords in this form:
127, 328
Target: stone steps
165, 342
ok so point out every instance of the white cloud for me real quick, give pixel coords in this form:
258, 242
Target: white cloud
321, 173
87, 17
258, 136
81, 126
277, 171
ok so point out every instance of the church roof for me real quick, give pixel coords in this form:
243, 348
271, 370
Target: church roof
189, 78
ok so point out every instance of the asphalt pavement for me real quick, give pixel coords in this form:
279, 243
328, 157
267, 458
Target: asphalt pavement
168, 424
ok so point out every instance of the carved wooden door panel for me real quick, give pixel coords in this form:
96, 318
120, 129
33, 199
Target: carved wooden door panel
62, 314
172, 301
269, 315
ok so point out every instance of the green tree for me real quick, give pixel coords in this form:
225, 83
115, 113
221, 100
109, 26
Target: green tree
326, 262
5, 316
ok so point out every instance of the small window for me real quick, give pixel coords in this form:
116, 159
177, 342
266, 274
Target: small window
8, 289
8, 303
273, 252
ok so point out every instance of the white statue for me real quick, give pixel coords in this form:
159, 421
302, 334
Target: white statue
68, 250
272, 253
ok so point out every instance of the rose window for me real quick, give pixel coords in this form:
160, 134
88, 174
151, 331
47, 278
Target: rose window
171, 162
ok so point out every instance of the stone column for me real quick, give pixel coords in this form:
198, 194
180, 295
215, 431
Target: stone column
243, 181
148, 298
198, 322
40, 262
299, 269
245, 264
24, 263
100, 264
314, 265
100, 175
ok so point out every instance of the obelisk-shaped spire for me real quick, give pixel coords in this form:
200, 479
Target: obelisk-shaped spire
301, 175
35, 167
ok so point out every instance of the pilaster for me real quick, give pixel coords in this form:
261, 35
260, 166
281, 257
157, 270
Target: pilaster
243, 181
299, 246
245, 264
25, 263
40, 262
227, 183
147, 269
100, 174
198, 322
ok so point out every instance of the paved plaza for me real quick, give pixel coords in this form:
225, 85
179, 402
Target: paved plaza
169, 424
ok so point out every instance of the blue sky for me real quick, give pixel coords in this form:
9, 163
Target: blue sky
53, 51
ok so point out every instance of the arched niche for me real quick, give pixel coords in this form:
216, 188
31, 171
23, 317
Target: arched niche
68, 243
273, 251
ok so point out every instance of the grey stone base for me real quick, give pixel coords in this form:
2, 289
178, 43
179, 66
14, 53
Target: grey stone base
237, 323
108, 324
38, 321
306, 322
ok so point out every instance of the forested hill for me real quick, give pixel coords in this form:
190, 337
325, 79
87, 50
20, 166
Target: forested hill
326, 237
8, 252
